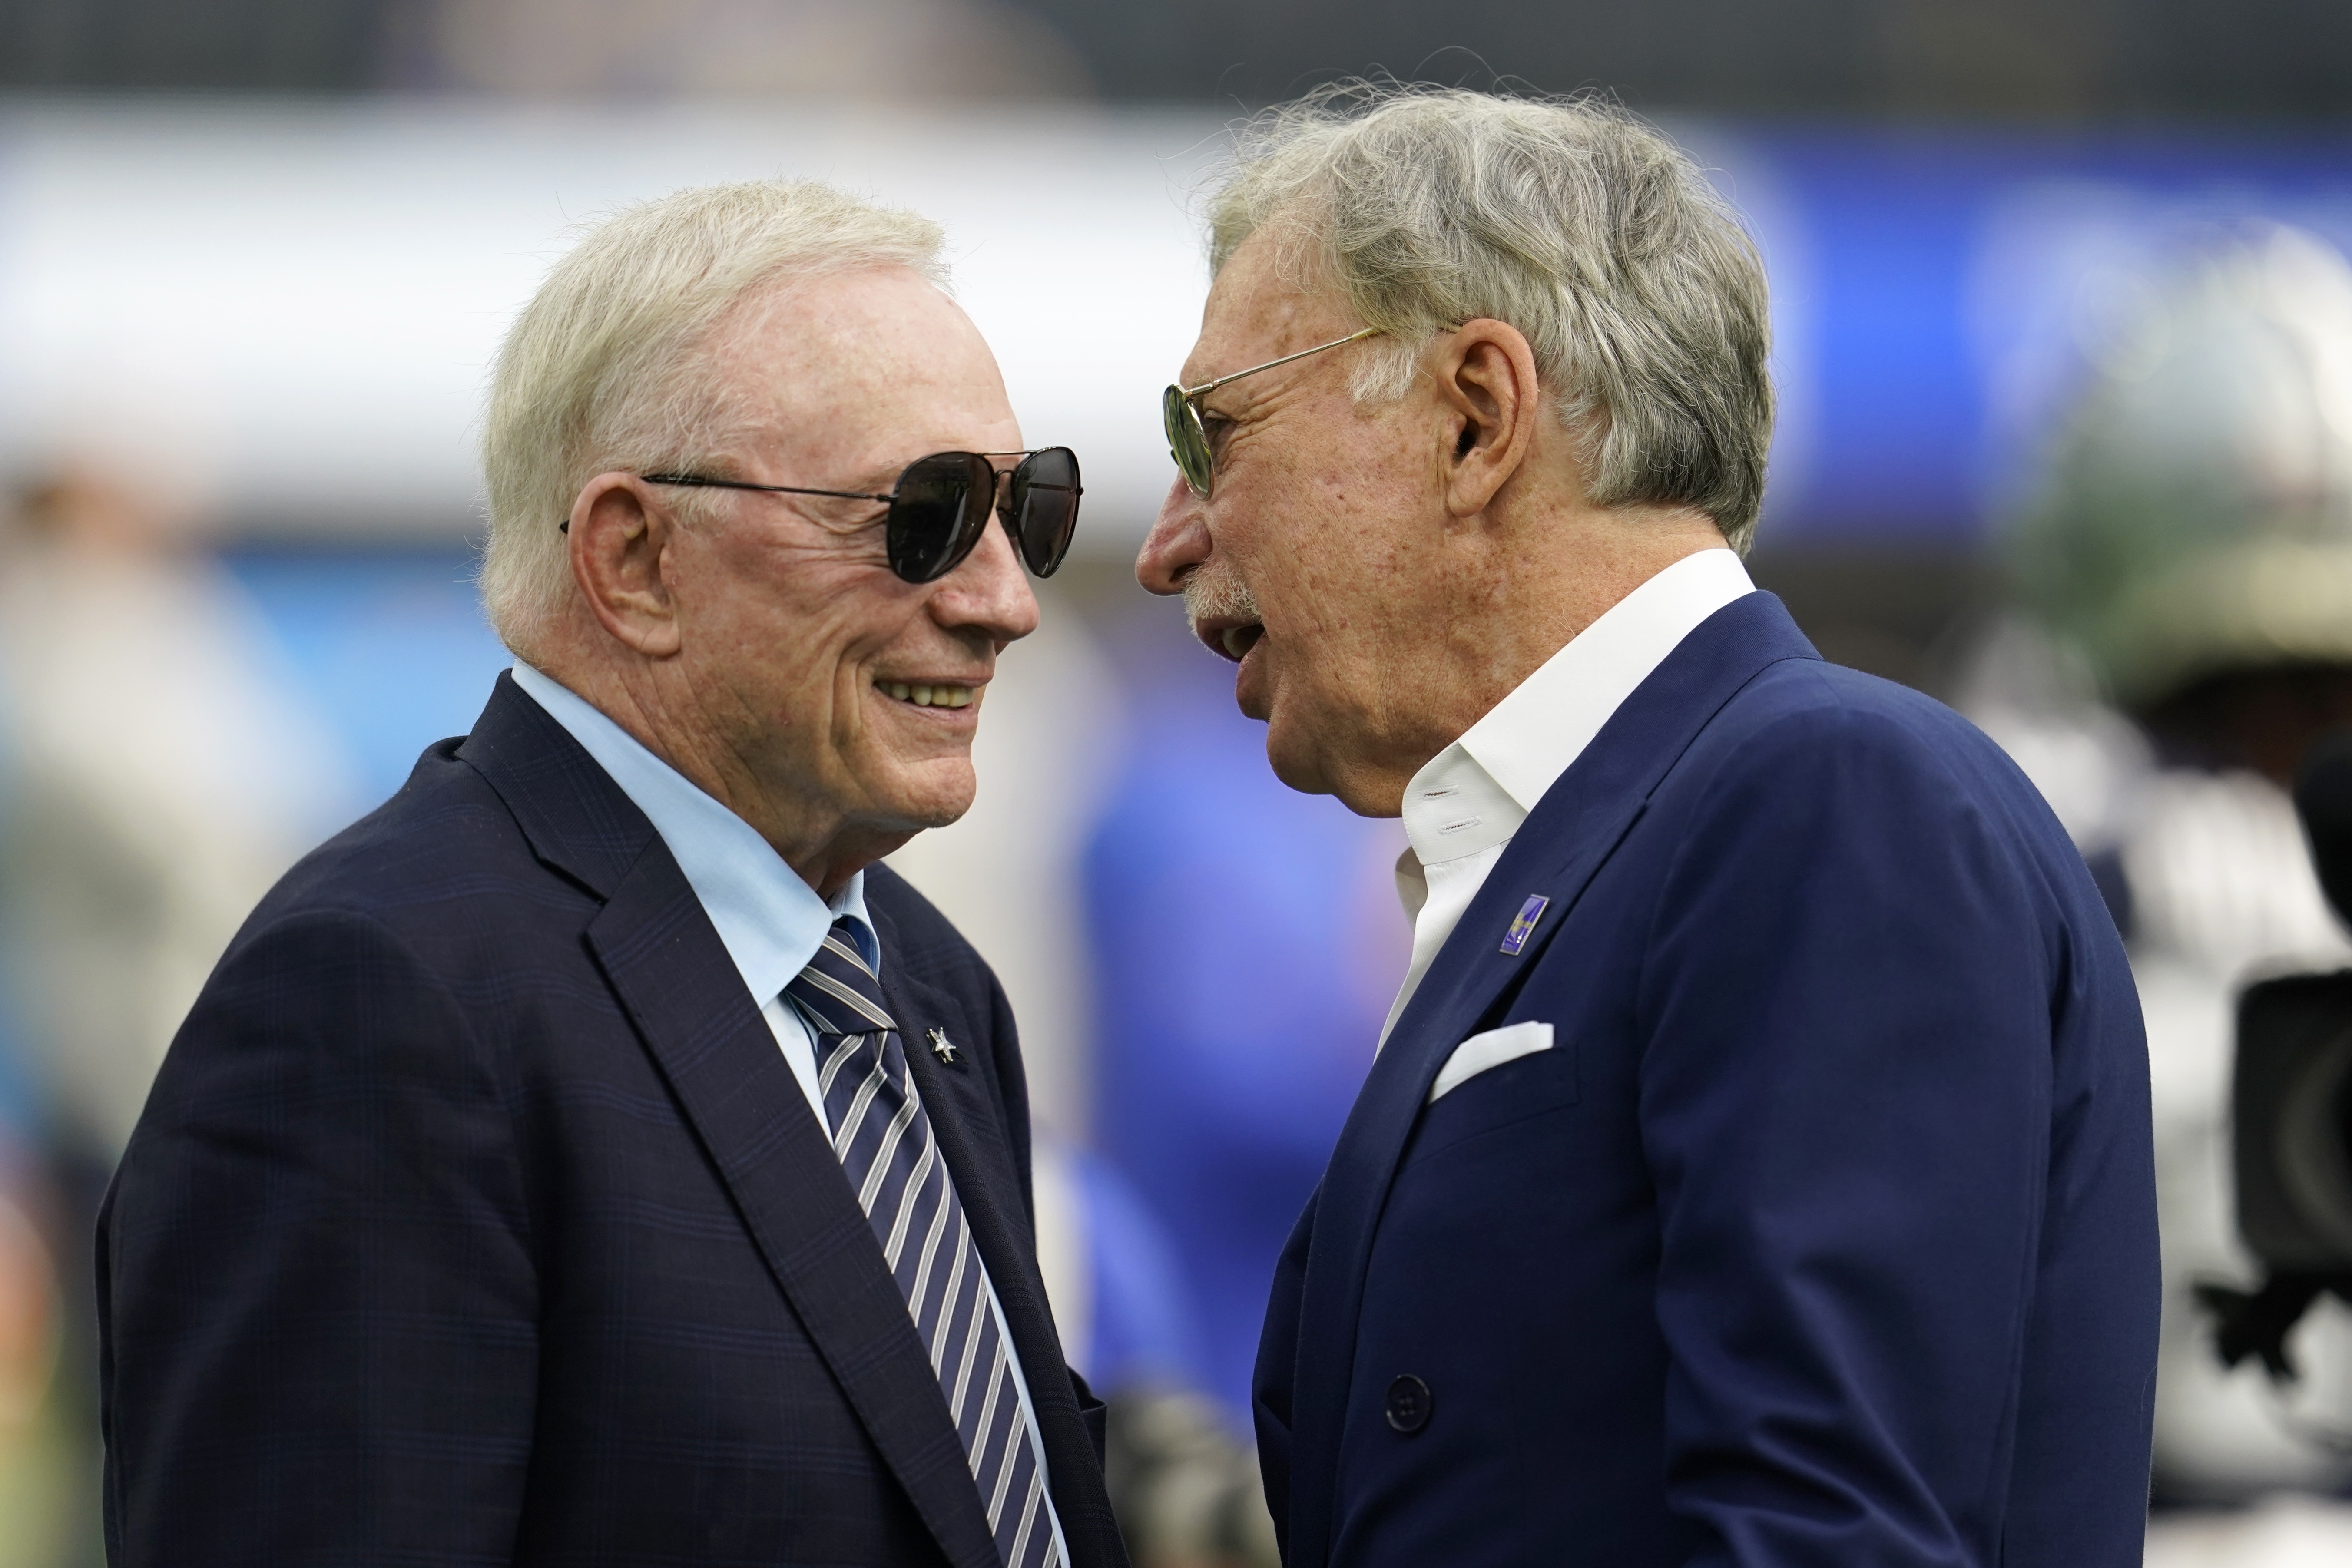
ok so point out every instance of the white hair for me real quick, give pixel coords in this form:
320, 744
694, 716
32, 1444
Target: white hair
1570, 219
605, 367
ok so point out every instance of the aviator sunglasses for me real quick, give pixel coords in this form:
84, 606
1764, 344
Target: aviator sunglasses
1179, 410
942, 504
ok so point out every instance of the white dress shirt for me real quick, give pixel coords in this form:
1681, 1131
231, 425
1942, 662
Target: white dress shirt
769, 920
1463, 807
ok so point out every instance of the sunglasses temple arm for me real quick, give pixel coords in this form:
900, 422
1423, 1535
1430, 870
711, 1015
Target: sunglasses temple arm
702, 484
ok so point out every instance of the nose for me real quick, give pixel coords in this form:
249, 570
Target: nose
1178, 542
988, 592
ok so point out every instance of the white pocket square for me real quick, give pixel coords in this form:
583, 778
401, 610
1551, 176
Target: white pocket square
1492, 1049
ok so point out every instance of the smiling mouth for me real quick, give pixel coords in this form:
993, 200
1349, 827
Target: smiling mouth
922, 694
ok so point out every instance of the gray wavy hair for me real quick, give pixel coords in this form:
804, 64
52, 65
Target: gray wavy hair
605, 369
1568, 218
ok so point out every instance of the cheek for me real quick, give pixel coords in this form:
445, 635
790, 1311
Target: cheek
797, 664
1339, 588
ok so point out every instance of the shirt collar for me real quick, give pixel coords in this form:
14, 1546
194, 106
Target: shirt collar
771, 921
1474, 794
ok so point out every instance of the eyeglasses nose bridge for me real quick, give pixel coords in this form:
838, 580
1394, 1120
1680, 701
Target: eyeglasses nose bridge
1001, 497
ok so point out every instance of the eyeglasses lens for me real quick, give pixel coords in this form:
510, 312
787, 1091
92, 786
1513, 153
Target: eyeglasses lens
1044, 507
937, 512
1188, 443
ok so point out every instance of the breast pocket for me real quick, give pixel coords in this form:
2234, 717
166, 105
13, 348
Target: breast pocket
1535, 1083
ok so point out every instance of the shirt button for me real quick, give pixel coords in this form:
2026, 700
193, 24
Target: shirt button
1409, 1404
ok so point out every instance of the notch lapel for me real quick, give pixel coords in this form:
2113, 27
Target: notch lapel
1557, 851
659, 951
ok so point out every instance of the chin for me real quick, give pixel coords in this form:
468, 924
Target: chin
1313, 769
1302, 766
933, 795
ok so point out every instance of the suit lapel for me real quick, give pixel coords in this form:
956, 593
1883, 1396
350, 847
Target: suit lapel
684, 993
1554, 855
966, 1120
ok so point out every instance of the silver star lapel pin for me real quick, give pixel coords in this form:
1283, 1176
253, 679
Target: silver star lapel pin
940, 1046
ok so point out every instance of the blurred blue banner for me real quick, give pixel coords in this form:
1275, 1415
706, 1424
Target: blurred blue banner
1937, 296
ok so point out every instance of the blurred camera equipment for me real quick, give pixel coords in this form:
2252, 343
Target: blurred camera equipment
2292, 1110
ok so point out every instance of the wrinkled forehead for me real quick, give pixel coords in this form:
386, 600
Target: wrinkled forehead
850, 366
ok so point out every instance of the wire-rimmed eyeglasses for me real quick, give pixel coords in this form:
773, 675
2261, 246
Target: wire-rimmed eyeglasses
1179, 410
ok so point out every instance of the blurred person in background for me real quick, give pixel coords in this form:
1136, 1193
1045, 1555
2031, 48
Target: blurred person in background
157, 774
1246, 943
593, 1152
2185, 570
1756, 1167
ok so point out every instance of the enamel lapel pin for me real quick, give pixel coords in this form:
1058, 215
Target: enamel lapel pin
1515, 939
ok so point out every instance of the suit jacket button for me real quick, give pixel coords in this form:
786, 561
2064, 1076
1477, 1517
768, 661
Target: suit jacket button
1409, 1404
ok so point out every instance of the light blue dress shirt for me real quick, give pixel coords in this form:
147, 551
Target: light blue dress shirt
769, 920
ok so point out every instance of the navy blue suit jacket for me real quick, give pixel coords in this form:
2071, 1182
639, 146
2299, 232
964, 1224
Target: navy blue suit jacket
477, 1219
1825, 1234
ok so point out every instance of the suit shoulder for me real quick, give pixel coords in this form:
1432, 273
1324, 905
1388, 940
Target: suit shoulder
1807, 715
1809, 734
443, 836
1833, 699
1825, 753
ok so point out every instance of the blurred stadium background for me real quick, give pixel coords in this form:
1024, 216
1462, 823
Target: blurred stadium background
255, 256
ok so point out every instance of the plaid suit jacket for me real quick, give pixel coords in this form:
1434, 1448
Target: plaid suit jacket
476, 1218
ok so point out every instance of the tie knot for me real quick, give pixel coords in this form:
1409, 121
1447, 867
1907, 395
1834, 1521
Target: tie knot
838, 992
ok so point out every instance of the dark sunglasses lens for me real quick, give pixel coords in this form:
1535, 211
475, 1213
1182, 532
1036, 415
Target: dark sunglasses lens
1045, 506
936, 511
1186, 442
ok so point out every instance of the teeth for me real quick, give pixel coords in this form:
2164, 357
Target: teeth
928, 695
1238, 640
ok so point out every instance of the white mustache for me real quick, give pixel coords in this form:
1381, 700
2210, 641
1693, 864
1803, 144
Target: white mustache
1213, 595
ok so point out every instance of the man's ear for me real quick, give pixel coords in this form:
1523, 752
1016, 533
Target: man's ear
1485, 376
619, 537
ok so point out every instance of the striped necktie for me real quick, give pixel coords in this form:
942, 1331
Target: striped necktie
883, 1141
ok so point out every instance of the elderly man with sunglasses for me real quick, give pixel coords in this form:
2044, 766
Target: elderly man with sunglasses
1756, 1165
593, 1155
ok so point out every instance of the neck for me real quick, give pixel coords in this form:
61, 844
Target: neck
1513, 596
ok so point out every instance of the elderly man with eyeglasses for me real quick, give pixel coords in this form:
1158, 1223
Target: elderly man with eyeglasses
1756, 1165
593, 1156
